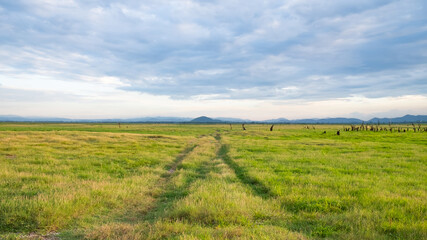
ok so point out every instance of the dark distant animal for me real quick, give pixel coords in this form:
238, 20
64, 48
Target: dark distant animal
271, 128
324, 132
243, 126
338, 132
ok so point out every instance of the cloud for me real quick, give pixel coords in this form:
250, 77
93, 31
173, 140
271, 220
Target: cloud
261, 50
10, 95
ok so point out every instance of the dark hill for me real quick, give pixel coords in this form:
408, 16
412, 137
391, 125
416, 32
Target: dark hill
204, 119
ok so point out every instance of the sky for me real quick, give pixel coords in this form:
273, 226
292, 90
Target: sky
256, 60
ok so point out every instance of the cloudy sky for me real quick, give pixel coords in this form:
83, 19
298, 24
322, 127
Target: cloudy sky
220, 58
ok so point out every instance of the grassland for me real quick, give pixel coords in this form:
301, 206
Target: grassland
154, 181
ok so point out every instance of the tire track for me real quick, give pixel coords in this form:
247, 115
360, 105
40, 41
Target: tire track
172, 167
172, 193
257, 187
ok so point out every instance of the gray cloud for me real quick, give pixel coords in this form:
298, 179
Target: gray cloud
308, 49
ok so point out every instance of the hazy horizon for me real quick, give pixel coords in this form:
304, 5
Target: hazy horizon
190, 118
253, 60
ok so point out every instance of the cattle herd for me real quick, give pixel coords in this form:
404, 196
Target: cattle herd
379, 128
367, 127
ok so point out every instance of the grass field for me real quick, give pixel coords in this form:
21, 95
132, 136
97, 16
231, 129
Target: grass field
162, 181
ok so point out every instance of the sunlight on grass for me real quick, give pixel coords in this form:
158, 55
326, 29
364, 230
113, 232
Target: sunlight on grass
151, 181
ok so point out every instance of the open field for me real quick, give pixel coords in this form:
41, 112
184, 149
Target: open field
153, 181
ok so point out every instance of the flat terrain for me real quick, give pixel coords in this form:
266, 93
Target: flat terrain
181, 181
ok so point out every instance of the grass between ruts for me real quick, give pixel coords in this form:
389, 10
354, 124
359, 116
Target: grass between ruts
153, 181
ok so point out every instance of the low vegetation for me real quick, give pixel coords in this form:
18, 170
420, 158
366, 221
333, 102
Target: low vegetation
154, 181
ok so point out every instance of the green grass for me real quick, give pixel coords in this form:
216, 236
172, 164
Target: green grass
154, 181
365, 185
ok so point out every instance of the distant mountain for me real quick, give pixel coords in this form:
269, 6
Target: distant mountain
9, 118
329, 121
404, 119
204, 119
317, 121
13, 118
278, 120
157, 119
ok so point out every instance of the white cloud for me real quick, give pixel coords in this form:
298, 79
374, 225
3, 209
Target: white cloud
215, 52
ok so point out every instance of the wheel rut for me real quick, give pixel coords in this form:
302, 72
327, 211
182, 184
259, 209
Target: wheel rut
172, 167
172, 193
257, 187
